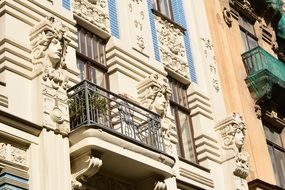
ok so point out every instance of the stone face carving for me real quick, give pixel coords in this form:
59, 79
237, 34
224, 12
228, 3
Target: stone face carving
49, 42
93, 11
232, 130
154, 93
171, 45
13, 154
85, 166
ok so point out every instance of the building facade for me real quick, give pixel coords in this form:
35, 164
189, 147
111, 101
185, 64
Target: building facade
119, 95
248, 36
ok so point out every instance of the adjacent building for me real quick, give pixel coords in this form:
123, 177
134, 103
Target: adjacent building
248, 36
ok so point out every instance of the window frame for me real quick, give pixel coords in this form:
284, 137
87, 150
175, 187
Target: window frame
157, 7
275, 147
181, 91
247, 33
89, 61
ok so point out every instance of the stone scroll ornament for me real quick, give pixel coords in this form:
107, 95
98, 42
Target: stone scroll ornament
232, 131
49, 43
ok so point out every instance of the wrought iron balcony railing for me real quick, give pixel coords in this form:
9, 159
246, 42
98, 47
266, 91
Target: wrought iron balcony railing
92, 105
263, 71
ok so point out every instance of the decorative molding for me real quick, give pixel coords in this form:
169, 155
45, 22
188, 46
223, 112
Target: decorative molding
3, 101
12, 153
93, 11
227, 17
84, 167
171, 45
196, 177
154, 94
200, 105
160, 185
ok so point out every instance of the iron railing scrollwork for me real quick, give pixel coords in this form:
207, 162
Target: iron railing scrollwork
90, 104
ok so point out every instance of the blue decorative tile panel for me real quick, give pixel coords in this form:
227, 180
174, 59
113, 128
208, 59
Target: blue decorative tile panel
66, 4
113, 18
153, 31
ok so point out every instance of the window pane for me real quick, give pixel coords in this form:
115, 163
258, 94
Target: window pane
164, 7
272, 135
186, 136
245, 43
252, 43
100, 78
270, 149
82, 42
81, 67
280, 162
96, 48
89, 47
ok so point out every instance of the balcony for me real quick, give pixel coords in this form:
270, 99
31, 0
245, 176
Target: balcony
94, 106
266, 75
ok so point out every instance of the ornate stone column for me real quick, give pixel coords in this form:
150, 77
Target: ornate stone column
232, 133
49, 42
154, 93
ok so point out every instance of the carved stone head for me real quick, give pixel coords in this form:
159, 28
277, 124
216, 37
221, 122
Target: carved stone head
49, 44
232, 129
154, 93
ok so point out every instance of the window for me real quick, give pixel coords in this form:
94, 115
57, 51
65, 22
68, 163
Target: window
164, 7
247, 34
277, 153
179, 108
91, 57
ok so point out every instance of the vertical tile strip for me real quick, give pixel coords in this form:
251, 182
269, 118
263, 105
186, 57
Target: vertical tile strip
66, 4
113, 18
153, 31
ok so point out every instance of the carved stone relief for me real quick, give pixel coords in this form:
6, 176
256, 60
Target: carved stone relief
93, 11
209, 54
49, 42
232, 131
13, 154
136, 22
227, 17
171, 45
154, 93
83, 168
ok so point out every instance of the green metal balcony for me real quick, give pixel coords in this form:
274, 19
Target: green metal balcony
265, 75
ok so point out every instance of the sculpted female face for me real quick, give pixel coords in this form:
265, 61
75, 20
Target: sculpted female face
159, 103
54, 52
239, 138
